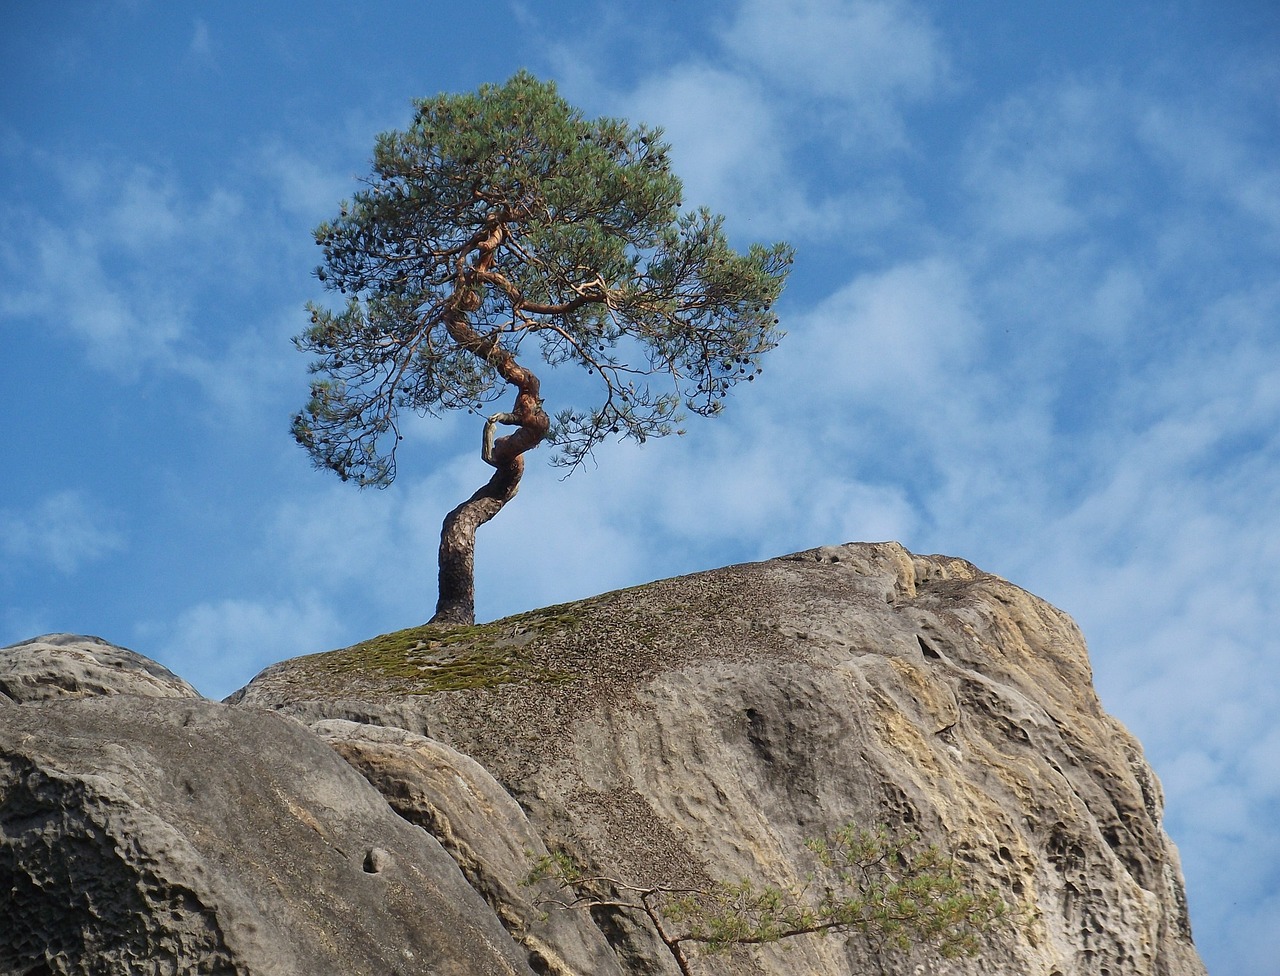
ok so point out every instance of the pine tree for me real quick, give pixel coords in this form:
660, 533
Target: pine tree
503, 227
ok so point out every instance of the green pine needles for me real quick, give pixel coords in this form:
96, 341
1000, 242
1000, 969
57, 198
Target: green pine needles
504, 226
888, 888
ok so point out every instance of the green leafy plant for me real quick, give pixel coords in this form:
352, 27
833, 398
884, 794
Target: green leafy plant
504, 227
890, 889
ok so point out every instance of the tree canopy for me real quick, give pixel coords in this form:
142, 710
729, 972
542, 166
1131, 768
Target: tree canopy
503, 225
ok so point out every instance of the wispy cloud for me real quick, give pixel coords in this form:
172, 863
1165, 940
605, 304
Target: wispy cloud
726, 140
215, 643
862, 59
105, 271
305, 186
66, 531
1051, 161
1215, 154
201, 46
132, 268
746, 145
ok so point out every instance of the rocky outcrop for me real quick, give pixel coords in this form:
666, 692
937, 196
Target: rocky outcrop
458, 802
692, 729
71, 666
145, 833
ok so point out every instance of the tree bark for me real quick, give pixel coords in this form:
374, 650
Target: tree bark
457, 602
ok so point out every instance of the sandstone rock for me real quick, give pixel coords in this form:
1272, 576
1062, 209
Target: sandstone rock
705, 727
71, 666
455, 799
693, 729
152, 835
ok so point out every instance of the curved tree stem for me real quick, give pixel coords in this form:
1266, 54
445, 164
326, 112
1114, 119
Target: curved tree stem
456, 604
458, 533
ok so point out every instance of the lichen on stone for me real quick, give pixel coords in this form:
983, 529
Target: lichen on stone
431, 658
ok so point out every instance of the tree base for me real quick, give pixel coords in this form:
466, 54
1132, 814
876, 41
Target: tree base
457, 603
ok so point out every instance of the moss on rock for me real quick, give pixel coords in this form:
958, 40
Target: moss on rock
431, 658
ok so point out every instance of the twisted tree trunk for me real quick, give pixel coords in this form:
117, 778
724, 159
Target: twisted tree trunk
457, 601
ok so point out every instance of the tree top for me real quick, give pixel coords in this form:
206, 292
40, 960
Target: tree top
503, 226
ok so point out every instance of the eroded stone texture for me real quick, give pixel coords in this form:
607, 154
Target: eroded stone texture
691, 729
72, 666
705, 727
150, 835
455, 799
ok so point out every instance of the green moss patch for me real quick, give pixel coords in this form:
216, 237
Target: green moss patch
426, 659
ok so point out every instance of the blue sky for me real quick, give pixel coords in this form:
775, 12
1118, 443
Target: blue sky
1034, 322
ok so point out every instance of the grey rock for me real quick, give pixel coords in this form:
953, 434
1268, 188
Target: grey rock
454, 798
152, 835
705, 727
692, 729
72, 666
406, 715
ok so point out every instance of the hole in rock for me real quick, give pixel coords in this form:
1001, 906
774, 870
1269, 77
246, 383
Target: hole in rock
928, 649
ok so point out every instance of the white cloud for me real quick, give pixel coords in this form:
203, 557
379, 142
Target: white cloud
1115, 303
141, 274
115, 272
864, 55
137, 208
304, 186
797, 87
242, 378
215, 644
760, 483
905, 333
201, 46
1051, 162
556, 541
1210, 156
66, 286
66, 531
336, 537
846, 71
729, 149
718, 123
742, 487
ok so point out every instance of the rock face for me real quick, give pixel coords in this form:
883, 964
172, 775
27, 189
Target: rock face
144, 833
693, 729
70, 666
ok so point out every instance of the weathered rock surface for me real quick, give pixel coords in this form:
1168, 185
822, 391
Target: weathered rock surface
692, 729
705, 727
455, 799
153, 835
71, 666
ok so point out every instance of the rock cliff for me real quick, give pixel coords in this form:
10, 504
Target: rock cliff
693, 729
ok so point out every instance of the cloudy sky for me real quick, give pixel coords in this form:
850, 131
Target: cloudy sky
1034, 322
